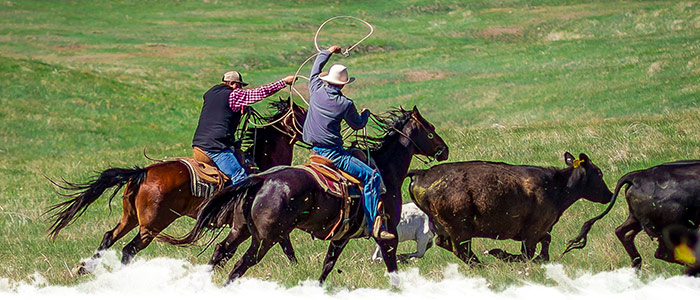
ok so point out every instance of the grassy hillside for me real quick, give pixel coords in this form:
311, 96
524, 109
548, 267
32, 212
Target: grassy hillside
87, 85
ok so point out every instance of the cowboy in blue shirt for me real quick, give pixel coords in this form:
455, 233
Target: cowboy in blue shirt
327, 108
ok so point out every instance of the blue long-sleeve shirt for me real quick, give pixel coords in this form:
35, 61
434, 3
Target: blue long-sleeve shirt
327, 108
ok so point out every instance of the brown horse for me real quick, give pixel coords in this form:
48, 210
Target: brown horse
158, 194
274, 203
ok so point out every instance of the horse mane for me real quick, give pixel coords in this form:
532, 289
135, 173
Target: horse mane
387, 124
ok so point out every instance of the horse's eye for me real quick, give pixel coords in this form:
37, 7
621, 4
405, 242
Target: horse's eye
430, 135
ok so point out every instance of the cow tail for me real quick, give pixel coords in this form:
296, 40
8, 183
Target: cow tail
410, 175
216, 211
580, 240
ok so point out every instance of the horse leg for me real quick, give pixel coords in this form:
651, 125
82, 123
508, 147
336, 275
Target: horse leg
334, 250
255, 253
126, 224
227, 248
626, 234
288, 250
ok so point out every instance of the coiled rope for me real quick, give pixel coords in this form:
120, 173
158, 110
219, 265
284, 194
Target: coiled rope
292, 89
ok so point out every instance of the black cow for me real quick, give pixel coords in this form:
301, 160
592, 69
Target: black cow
501, 201
658, 197
686, 249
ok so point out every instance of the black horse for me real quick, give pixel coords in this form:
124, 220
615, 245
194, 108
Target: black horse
274, 203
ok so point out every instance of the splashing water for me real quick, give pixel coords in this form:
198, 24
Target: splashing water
167, 278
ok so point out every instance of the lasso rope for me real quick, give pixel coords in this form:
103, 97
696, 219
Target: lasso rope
345, 53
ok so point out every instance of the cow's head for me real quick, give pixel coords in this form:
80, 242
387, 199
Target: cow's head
586, 179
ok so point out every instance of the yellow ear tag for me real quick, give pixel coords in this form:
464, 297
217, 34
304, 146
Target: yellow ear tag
684, 254
577, 163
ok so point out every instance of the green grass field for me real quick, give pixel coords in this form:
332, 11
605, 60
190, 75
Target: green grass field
87, 85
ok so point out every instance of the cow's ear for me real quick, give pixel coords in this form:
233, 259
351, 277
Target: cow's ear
584, 158
568, 159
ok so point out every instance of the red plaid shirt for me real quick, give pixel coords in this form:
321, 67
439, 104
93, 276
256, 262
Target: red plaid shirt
240, 98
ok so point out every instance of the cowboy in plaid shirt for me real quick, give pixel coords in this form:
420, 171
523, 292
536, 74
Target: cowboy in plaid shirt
221, 113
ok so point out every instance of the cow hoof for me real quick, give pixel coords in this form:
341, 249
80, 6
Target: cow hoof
498, 253
504, 256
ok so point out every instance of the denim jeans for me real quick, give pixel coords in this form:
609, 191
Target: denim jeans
370, 178
226, 162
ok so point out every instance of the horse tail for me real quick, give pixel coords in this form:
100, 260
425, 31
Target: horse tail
216, 211
87, 193
580, 241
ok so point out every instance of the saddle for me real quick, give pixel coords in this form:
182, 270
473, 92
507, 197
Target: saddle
206, 177
336, 182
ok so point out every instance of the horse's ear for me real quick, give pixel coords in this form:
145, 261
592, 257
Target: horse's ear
415, 111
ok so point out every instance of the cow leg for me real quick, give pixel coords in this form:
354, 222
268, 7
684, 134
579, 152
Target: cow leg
463, 250
626, 234
334, 250
503, 255
663, 253
544, 252
527, 249
443, 242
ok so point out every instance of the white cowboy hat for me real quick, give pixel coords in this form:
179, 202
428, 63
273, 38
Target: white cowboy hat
338, 74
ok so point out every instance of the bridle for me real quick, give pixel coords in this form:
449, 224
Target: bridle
430, 135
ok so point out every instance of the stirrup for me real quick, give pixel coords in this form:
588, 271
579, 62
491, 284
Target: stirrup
378, 232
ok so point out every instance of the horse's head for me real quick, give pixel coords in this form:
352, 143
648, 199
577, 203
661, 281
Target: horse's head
421, 134
291, 120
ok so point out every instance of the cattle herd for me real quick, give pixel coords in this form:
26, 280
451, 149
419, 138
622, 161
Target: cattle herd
463, 200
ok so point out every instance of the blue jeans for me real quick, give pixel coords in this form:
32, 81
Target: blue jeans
226, 162
370, 178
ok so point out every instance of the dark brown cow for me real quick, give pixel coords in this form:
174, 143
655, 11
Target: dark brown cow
661, 196
501, 201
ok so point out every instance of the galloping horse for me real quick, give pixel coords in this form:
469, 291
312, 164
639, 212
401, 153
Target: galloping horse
276, 202
158, 194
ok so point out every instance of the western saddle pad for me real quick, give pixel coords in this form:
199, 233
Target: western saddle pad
206, 177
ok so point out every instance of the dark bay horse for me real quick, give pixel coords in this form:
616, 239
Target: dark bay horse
276, 202
158, 194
